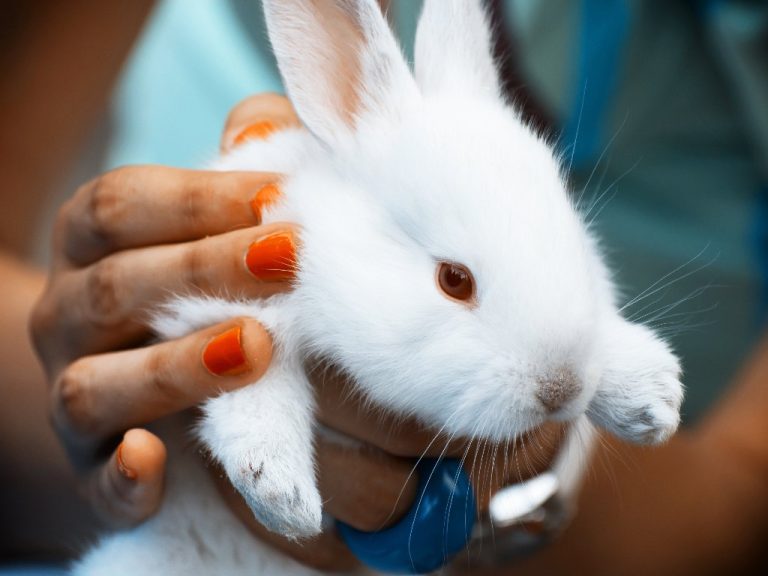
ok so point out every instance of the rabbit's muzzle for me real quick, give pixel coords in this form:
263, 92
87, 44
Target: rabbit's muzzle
558, 388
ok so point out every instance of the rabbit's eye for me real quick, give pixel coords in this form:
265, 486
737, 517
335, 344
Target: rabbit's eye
455, 281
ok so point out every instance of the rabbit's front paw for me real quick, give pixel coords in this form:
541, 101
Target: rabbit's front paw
640, 394
651, 415
262, 436
283, 502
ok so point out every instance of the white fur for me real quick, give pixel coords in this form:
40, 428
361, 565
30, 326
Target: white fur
393, 176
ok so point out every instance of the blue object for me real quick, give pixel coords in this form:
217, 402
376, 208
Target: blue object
604, 30
438, 525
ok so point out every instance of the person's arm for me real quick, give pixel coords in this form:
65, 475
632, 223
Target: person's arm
37, 486
58, 62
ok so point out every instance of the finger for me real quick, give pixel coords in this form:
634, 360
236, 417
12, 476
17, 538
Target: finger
326, 552
99, 395
363, 486
115, 297
351, 415
528, 455
128, 488
146, 205
257, 117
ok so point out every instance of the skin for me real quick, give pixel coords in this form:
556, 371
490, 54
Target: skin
697, 505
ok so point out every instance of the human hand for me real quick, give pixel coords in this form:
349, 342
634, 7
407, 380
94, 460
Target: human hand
121, 247
370, 484
123, 243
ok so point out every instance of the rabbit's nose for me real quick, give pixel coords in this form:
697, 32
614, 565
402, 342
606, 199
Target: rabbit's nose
558, 388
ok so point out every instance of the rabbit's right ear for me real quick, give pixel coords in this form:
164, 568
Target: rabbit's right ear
339, 62
454, 49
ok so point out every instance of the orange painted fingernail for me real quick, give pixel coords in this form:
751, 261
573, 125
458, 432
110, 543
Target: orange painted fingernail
258, 131
121, 467
267, 196
224, 354
273, 257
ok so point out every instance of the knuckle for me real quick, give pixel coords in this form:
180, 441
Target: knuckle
71, 406
102, 300
53, 331
195, 266
64, 216
197, 198
70, 223
104, 203
89, 219
41, 323
40, 318
161, 376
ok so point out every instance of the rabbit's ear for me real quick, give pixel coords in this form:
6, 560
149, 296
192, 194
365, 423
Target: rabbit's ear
339, 61
454, 49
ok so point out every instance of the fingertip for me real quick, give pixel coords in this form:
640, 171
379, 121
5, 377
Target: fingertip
128, 488
270, 108
237, 355
142, 455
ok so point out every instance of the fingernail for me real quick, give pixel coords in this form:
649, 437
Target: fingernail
258, 131
224, 354
121, 467
264, 198
272, 258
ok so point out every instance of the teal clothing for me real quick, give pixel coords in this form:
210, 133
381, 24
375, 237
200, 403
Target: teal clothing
193, 63
662, 109
666, 147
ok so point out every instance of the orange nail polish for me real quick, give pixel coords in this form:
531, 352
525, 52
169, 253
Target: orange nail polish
272, 258
224, 355
267, 196
122, 468
258, 131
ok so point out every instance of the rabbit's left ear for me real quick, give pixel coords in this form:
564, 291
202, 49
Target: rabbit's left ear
454, 49
340, 63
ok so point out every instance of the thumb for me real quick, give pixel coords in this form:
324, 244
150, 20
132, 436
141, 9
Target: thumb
128, 488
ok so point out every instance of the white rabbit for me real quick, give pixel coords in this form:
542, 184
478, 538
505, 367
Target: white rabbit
442, 265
